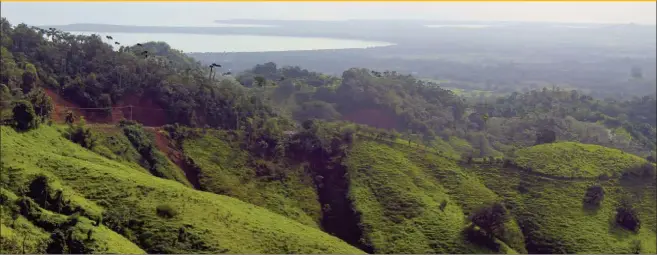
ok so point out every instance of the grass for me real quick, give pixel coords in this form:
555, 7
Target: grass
410, 199
571, 159
208, 222
556, 220
22, 232
277, 186
399, 202
113, 144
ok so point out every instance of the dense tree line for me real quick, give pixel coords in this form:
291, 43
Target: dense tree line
91, 73
266, 99
492, 126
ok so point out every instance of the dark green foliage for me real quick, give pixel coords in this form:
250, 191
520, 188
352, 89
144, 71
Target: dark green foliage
648, 171
42, 103
166, 211
316, 110
535, 240
443, 204
481, 238
58, 243
24, 116
651, 158
29, 78
81, 134
636, 247
546, 136
627, 217
491, 219
90, 73
151, 158
594, 196
70, 118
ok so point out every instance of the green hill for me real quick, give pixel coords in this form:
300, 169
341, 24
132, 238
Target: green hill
571, 159
399, 194
159, 215
225, 168
554, 218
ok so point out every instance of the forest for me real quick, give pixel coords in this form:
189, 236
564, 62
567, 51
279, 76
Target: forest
144, 149
602, 60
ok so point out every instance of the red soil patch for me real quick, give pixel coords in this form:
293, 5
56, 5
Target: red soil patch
142, 110
163, 144
62, 106
372, 117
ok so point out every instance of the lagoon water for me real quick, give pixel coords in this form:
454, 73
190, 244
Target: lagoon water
236, 43
459, 26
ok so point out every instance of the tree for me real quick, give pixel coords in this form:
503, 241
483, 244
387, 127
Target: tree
594, 195
24, 116
41, 102
545, 136
627, 217
29, 78
491, 219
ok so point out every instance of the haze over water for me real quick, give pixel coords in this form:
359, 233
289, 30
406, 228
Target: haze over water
236, 43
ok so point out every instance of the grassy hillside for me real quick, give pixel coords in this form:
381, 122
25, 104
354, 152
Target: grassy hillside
227, 169
20, 235
571, 159
158, 215
399, 198
551, 211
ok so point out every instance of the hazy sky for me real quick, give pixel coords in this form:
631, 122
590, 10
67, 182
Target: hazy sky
149, 13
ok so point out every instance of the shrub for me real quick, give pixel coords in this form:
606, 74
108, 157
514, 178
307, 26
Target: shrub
648, 170
70, 117
443, 204
166, 211
594, 195
491, 219
82, 135
636, 247
24, 116
627, 217
545, 136
651, 158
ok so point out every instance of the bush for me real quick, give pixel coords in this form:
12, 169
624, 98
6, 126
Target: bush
651, 158
627, 217
24, 116
443, 204
545, 136
82, 135
594, 195
491, 219
166, 211
648, 170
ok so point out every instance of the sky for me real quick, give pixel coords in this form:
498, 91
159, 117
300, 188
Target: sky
204, 13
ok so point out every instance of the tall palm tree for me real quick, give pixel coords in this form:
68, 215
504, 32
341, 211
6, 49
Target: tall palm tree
212, 66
